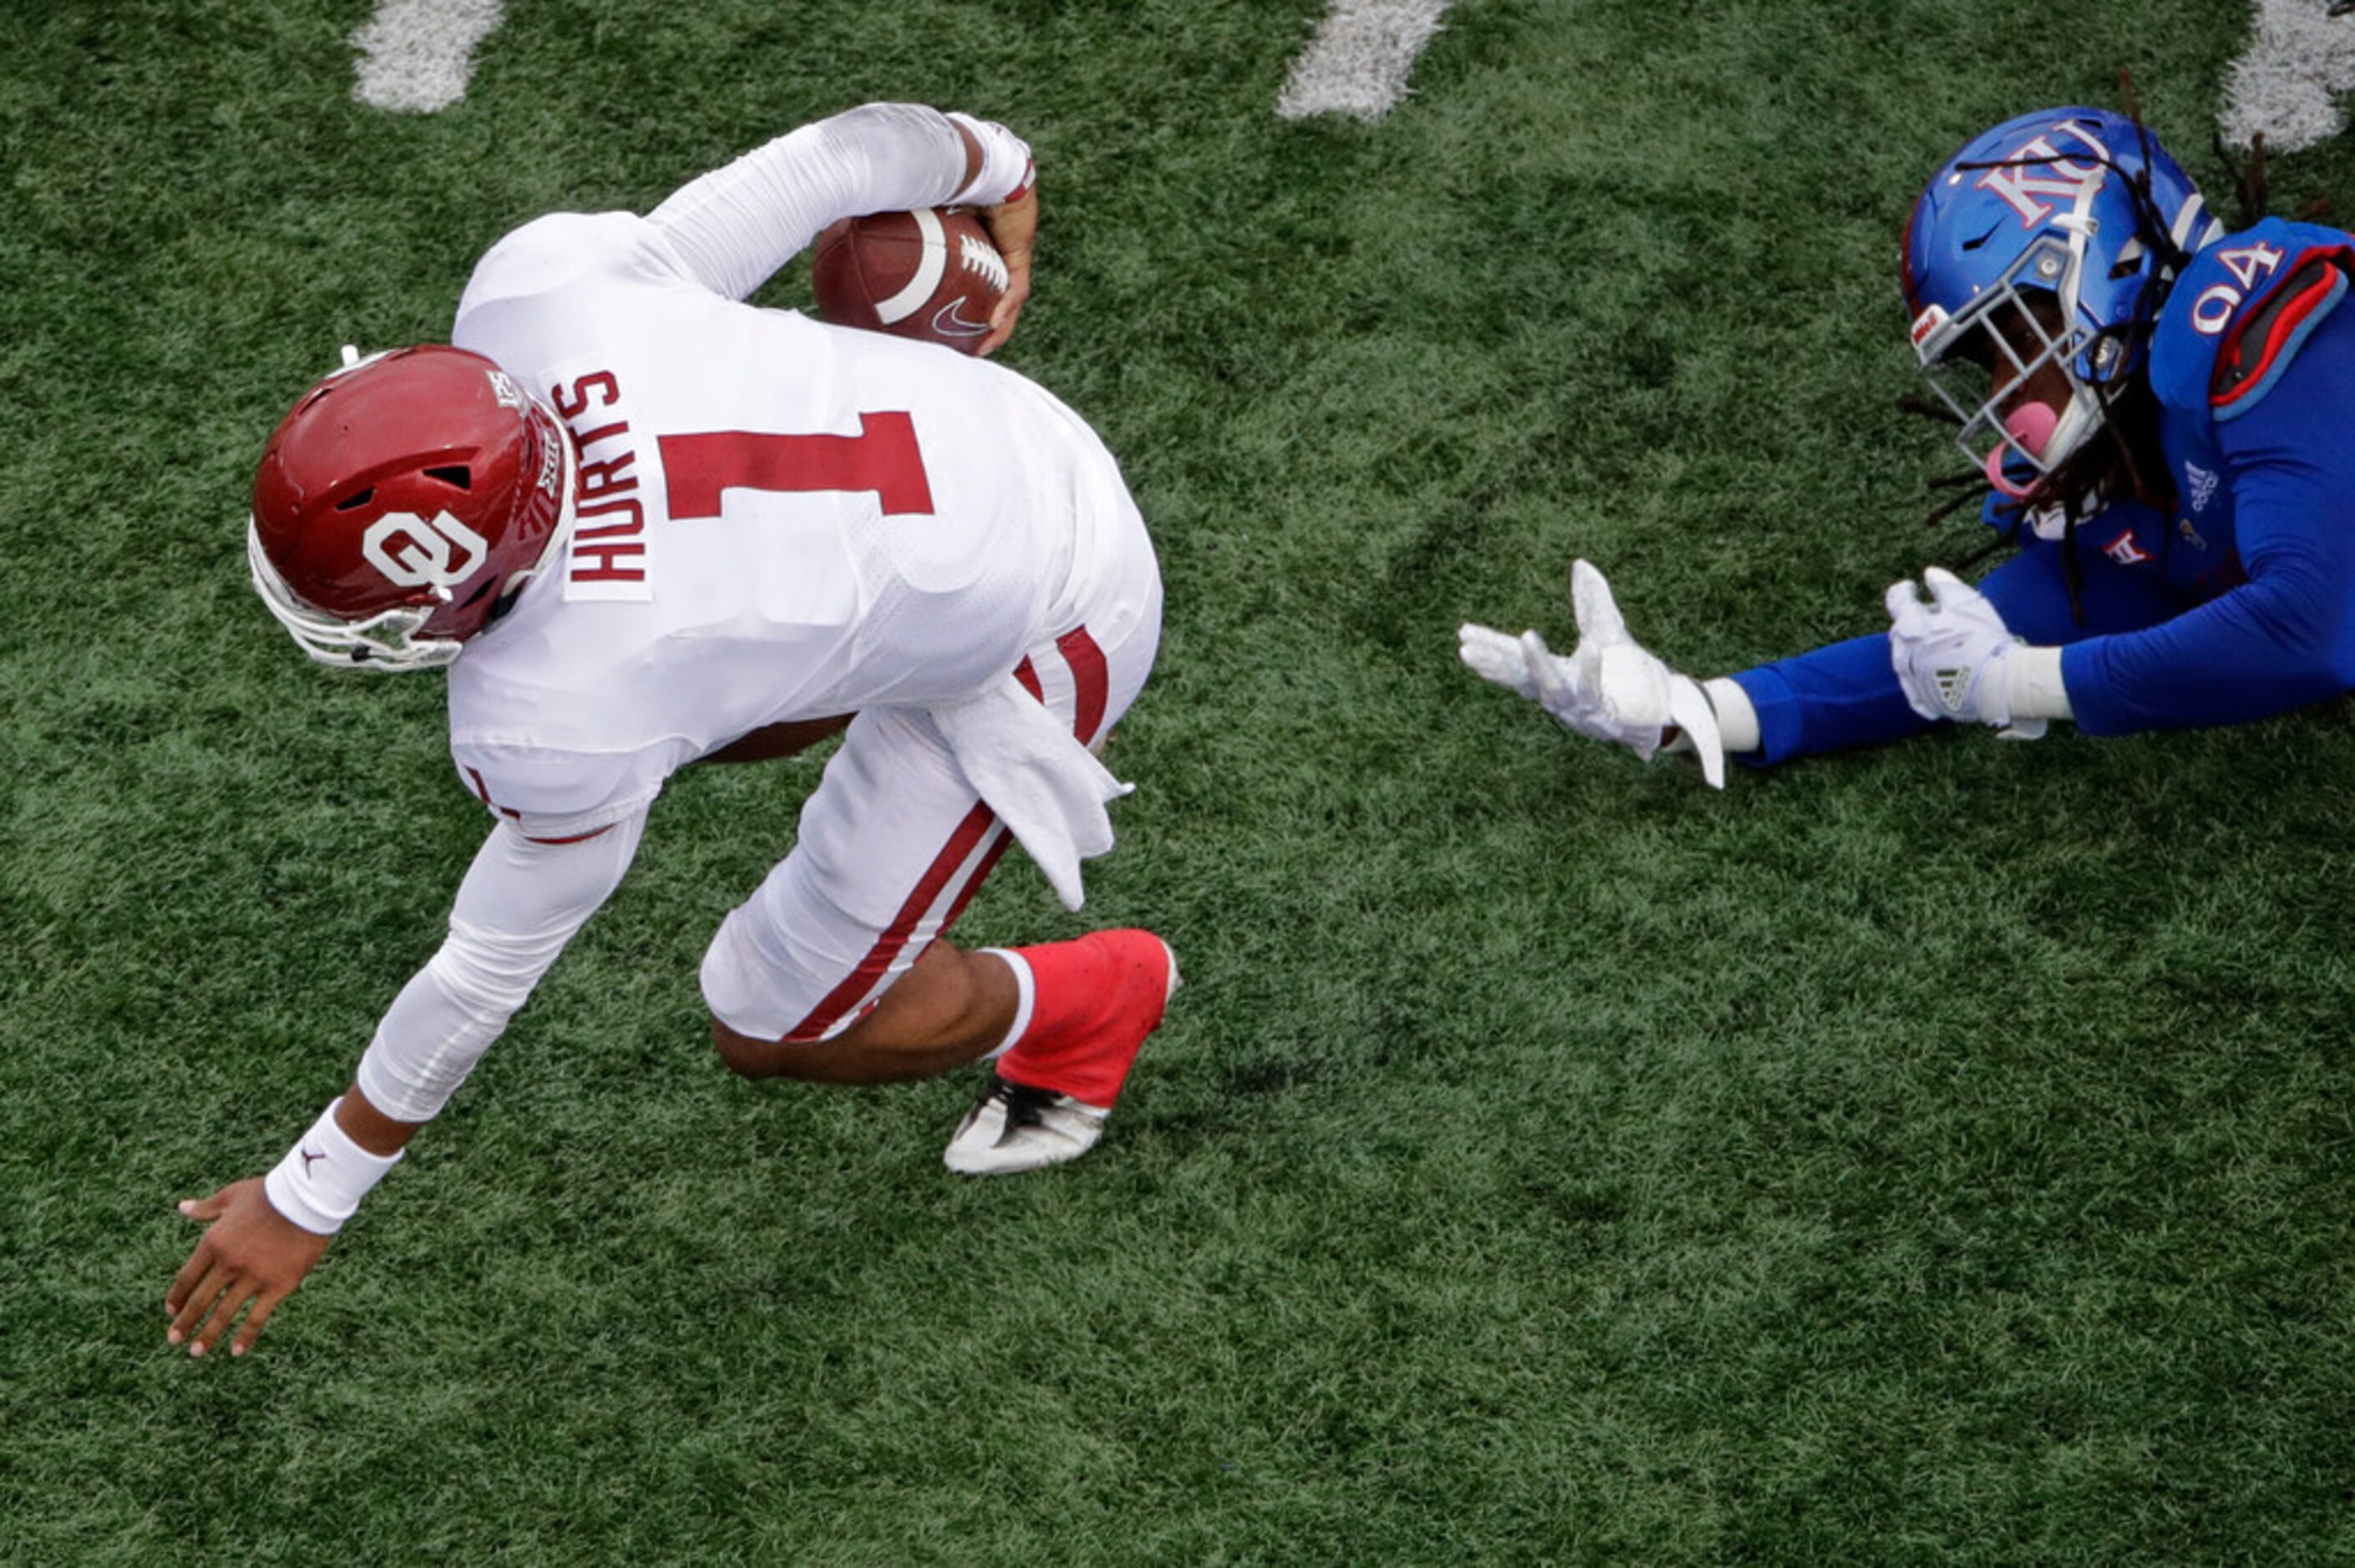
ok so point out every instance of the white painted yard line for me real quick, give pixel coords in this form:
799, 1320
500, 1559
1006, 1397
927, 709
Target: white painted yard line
417, 56
2299, 60
1358, 61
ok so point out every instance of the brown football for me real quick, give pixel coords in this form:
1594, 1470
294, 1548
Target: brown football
931, 274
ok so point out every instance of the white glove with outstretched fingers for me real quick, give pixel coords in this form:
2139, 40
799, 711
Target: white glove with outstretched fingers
1951, 654
1495, 656
1608, 688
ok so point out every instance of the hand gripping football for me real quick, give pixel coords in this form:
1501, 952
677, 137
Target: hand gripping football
931, 274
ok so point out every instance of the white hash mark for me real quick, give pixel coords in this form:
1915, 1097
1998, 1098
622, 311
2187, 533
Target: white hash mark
2299, 60
417, 56
1361, 57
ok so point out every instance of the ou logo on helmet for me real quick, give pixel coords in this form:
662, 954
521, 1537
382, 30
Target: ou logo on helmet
413, 551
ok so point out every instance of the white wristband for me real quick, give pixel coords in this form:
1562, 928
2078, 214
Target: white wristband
323, 1177
1007, 171
2032, 685
1737, 717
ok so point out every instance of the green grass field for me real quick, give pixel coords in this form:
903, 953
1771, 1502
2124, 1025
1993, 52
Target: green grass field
1936, 1155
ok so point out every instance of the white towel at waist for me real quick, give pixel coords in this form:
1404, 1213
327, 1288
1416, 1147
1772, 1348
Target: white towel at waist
1043, 784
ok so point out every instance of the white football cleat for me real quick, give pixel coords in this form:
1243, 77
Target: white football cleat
1019, 1126
1016, 1128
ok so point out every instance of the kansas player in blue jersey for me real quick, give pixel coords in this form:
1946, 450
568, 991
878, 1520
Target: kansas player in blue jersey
2164, 415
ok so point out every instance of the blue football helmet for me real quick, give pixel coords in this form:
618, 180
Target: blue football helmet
2048, 241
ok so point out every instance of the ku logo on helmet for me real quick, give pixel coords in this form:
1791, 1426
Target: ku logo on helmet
2020, 180
413, 551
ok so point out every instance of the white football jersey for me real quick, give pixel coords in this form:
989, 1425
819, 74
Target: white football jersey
778, 520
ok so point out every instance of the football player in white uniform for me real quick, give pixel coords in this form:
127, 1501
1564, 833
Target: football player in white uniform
643, 523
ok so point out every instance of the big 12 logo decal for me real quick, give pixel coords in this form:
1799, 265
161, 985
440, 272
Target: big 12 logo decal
413, 551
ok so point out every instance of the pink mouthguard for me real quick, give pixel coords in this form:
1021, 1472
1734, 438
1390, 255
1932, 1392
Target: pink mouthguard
2031, 425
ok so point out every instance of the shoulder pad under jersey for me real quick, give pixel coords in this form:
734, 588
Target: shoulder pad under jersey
2241, 312
2259, 346
560, 247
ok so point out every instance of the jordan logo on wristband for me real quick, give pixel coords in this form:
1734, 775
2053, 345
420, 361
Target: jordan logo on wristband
307, 1158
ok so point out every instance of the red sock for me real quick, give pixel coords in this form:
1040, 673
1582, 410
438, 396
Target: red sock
1093, 1003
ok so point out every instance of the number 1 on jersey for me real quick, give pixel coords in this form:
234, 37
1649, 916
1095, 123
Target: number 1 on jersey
882, 458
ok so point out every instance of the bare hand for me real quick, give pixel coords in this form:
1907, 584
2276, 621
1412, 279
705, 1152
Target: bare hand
1012, 228
251, 1254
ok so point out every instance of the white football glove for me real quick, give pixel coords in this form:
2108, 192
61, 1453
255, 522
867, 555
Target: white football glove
1609, 688
1951, 654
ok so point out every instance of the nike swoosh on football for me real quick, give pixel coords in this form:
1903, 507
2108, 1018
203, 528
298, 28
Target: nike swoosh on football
949, 320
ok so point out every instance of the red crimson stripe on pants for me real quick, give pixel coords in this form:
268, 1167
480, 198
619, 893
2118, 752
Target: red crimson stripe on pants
972, 850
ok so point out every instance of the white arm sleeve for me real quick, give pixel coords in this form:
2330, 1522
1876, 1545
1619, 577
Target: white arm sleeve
520, 903
736, 226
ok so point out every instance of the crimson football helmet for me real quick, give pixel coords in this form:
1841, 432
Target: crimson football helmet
403, 503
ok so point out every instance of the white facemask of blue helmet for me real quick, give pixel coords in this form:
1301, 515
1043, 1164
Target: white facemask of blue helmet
2048, 241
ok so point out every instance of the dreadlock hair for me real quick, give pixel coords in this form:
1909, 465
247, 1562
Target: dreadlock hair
2251, 176
2123, 461
2249, 183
